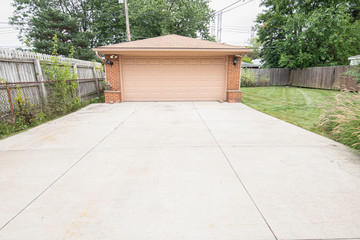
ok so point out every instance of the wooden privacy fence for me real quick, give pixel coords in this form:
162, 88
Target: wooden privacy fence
331, 78
23, 69
24, 66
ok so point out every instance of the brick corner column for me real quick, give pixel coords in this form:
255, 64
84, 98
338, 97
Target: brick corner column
233, 82
113, 77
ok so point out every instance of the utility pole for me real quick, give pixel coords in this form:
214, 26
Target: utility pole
127, 20
219, 26
212, 24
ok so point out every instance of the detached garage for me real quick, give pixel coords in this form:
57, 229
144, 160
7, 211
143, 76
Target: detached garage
172, 68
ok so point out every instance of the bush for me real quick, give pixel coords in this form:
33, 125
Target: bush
248, 78
354, 72
341, 121
26, 112
62, 94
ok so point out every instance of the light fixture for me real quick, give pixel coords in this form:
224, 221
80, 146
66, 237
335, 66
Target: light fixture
235, 60
108, 61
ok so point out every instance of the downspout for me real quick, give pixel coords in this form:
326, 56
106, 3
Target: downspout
97, 54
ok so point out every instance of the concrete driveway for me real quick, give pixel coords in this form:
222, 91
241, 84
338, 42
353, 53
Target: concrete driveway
168, 171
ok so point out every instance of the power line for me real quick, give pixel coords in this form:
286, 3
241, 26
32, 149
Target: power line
238, 6
227, 7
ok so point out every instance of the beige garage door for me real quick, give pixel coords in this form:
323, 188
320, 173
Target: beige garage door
173, 79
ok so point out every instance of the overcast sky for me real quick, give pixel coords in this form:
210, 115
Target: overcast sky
237, 23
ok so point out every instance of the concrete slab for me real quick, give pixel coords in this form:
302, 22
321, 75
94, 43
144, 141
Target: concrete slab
201, 170
264, 132
302, 191
161, 193
25, 174
159, 134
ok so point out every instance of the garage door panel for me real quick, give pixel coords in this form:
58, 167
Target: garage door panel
177, 79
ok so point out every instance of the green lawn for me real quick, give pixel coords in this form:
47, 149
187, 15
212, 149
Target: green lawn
300, 106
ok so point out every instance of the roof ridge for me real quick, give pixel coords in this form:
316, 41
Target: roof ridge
140, 41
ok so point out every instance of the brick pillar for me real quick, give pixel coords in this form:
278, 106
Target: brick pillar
233, 82
113, 77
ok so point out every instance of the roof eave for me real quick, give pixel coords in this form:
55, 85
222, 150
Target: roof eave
215, 50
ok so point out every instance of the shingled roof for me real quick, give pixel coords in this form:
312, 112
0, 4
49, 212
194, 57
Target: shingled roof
171, 43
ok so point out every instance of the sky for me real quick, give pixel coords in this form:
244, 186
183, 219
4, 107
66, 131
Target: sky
236, 30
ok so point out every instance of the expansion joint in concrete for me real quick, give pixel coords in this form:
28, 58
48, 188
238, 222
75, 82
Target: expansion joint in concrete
236, 174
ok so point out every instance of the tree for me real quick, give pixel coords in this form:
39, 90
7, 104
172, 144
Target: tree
90, 23
255, 45
47, 23
298, 34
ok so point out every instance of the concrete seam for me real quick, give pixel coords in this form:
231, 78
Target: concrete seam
236, 174
66, 171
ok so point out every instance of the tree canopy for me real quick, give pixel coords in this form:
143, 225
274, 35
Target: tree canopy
299, 34
85, 24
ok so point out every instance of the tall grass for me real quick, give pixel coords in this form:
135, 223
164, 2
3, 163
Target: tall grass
341, 119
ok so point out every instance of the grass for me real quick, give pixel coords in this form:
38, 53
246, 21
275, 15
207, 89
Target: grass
299, 106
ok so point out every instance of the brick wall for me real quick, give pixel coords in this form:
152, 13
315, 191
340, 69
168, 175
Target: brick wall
113, 77
233, 81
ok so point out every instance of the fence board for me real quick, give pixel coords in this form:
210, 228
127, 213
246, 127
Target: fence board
272, 76
331, 78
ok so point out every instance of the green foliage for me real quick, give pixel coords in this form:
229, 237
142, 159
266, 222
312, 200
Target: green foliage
299, 106
248, 78
354, 72
246, 59
151, 18
330, 113
299, 34
255, 44
62, 94
341, 120
25, 111
49, 22
7, 128
92, 23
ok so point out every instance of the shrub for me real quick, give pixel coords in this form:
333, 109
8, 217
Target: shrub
248, 78
354, 72
26, 112
342, 120
62, 94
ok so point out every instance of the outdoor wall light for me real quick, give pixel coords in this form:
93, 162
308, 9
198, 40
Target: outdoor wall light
108, 61
235, 60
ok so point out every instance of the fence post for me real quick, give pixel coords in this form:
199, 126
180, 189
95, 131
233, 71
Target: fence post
96, 81
78, 82
10, 102
40, 78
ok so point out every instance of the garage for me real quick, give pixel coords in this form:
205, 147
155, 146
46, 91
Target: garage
172, 68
